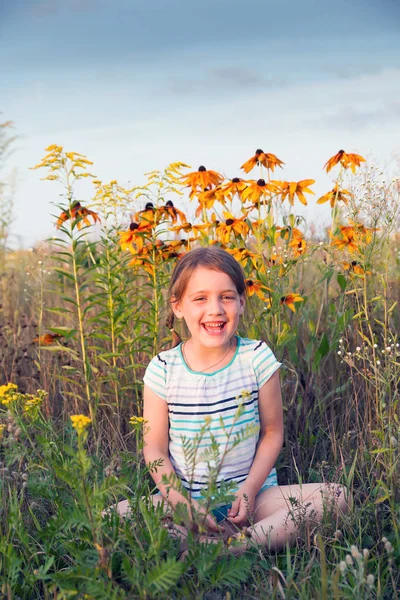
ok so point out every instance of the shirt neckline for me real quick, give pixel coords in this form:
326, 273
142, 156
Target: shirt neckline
214, 372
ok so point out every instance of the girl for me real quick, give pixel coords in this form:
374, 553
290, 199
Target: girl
208, 377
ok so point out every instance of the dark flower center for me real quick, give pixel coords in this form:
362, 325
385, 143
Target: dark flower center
235, 180
341, 152
169, 204
133, 226
229, 221
283, 299
201, 168
353, 264
149, 206
249, 283
76, 205
261, 182
258, 152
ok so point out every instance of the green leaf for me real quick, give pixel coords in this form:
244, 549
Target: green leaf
342, 281
323, 348
164, 576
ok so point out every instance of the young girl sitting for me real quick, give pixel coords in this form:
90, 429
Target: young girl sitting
208, 377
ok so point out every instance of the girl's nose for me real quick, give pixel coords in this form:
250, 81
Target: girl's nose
215, 308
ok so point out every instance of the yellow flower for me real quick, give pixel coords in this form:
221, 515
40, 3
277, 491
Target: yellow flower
34, 402
136, 420
291, 189
7, 393
290, 300
2, 429
80, 422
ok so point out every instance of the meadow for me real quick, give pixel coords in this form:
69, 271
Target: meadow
82, 314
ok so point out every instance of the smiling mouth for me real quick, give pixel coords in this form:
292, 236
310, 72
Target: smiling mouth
214, 328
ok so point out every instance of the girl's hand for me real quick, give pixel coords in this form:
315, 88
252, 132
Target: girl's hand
242, 507
206, 520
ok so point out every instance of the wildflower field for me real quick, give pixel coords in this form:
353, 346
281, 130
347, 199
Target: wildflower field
82, 315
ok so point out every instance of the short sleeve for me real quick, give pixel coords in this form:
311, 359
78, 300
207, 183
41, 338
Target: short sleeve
264, 363
155, 376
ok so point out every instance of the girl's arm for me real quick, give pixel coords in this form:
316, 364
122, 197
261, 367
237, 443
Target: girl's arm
156, 439
268, 448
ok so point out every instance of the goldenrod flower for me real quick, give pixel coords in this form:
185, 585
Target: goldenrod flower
33, 403
80, 423
77, 213
334, 195
201, 180
346, 160
294, 188
256, 190
8, 393
239, 226
290, 300
136, 420
268, 160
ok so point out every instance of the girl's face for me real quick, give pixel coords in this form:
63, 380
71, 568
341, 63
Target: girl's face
211, 307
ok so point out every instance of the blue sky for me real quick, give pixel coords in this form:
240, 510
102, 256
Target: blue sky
135, 85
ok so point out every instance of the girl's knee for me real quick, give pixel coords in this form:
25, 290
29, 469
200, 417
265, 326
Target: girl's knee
338, 496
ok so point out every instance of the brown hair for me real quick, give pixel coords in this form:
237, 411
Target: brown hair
211, 257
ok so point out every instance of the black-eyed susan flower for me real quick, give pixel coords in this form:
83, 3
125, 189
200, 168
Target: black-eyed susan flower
190, 228
289, 232
298, 246
355, 267
170, 211
253, 286
235, 187
346, 160
256, 190
243, 256
208, 198
201, 180
134, 235
362, 232
335, 195
147, 216
290, 189
290, 300
268, 160
77, 213
348, 240
224, 229
47, 339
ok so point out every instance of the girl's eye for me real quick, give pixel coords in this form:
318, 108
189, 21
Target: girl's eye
229, 297
200, 298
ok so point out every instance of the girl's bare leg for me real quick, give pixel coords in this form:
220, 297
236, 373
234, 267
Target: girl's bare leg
279, 512
175, 531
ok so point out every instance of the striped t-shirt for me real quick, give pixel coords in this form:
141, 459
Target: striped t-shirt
197, 398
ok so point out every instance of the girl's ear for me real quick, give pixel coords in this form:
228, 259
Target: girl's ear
242, 300
175, 306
